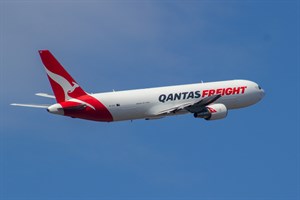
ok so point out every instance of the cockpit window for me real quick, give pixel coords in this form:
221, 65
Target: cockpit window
259, 87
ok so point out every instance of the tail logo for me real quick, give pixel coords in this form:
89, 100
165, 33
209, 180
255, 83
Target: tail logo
67, 87
66, 90
64, 84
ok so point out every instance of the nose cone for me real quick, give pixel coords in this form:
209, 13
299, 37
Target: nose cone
56, 109
262, 93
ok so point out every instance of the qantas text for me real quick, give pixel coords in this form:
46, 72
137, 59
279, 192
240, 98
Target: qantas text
178, 96
205, 93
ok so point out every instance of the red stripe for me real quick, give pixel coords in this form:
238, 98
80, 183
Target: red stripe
101, 113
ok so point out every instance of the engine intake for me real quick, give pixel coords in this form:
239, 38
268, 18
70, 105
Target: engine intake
212, 112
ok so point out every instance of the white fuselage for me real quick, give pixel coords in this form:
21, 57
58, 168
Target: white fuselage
146, 103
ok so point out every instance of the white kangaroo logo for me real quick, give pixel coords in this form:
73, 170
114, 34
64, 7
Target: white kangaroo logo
67, 87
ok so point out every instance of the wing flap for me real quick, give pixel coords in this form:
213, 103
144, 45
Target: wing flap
197, 107
190, 106
173, 109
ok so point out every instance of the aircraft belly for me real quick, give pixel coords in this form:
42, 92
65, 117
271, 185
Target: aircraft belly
127, 110
128, 113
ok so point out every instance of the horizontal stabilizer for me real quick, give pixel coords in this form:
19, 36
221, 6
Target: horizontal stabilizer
45, 95
30, 105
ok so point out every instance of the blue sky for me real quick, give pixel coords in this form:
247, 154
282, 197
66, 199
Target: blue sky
105, 45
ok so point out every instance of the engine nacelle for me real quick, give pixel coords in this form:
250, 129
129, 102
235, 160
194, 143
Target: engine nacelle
212, 112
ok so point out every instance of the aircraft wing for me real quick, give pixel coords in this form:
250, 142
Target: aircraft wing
30, 105
173, 109
191, 107
197, 107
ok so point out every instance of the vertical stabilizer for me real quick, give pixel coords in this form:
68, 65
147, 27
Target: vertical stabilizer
63, 85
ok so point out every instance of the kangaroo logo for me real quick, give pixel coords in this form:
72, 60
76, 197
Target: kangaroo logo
67, 87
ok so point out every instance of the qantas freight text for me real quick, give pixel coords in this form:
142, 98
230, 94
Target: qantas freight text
210, 101
205, 93
224, 91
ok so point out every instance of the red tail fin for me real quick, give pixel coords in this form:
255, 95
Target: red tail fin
63, 85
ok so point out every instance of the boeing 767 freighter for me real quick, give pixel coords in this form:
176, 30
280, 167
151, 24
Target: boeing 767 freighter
209, 101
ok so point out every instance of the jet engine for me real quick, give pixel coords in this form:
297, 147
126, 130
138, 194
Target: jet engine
212, 112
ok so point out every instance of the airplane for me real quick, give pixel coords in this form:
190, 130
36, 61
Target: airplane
210, 101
